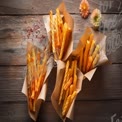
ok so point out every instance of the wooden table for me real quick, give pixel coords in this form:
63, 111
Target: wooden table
99, 101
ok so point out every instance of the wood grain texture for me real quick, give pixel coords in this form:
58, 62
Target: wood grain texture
95, 111
105, 85
13, 45
14, 7
99, 99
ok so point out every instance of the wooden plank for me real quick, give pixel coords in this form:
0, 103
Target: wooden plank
105, 85
97, 111
12, 29
43, 7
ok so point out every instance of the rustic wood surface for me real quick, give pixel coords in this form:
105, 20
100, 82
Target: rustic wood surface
99, 99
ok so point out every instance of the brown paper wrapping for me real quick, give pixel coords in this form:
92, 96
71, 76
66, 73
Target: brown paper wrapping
56, 93
69, 20
101, 40
42, 95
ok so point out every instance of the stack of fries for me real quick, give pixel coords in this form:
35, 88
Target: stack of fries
88, 55
68, 90
60, 34
36, 71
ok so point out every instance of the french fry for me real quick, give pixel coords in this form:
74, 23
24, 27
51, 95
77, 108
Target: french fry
56, 33
68, 39
64, 81
92, 48
68, 83
90, 60
58, 15
66, 106
95, 60
75, 67
71, 89
65, 98
65, 28
95, 51
75, 81
81, 59
86, 55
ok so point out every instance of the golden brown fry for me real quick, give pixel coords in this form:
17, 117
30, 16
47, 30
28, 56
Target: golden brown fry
68, 83
81, 60
96, 51
53, 44
65, 28
86, 55
75, 81
75, 67
64, 81
73, 96
65, 98
71, 89
90, 60
92, 48
66, 106
96, 59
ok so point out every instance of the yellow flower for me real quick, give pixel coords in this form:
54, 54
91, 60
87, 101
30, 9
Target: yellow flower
84, 8
96, 17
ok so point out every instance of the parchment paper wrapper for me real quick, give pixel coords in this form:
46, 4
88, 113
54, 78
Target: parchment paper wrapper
69, 20
56, 93
43, 92
99, 39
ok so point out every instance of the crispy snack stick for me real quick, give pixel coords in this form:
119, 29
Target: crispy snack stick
64, 81
95, 51
90, 60
66, 106
75, 81
57, 41
95, 60
81, 59
68, 83
75, 67
53, 44
65, 97
86, 55
65, 31
92, 48
71, 89
59, 25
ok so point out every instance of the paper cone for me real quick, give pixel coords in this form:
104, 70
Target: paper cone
69, 20
101, 40
42, 95
56, 93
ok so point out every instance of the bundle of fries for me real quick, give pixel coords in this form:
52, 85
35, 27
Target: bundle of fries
36, 71
89, 54
60, 34
68, 90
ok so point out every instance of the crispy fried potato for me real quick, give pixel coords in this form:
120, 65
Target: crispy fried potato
68, 83
90, 60
86, 55
95, 60
64, 81
96, 51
